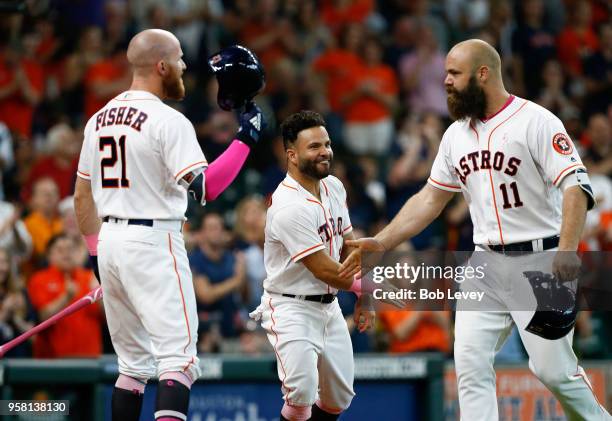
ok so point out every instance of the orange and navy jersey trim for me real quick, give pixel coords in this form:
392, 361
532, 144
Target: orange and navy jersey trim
83, 174
189, 167
564, 172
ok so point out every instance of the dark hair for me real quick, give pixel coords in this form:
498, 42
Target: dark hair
295, 123
56, 238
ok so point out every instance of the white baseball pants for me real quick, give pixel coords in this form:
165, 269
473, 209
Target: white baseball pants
313, 350
149, 298
480, 334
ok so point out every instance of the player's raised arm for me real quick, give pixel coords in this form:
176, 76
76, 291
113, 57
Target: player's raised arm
241, 77
209, 184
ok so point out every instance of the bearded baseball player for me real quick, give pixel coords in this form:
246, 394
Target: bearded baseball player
306, 226
527, 191
140, 160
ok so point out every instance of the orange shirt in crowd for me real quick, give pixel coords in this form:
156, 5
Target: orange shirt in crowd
427, 336
355, 12
336, 66
15, 111
574, 47
64, 177
77, 335
367, 109
107, 70
271, 54
42, 229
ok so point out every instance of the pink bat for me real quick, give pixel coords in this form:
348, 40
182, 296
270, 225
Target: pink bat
90, 298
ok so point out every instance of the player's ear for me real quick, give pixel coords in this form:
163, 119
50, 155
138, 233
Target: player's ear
162, 67
292, 156
482, 74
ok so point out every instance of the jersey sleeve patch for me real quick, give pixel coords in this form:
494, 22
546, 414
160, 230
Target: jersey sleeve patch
562, 144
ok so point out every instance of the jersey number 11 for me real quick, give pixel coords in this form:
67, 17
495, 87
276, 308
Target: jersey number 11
111, 161
515, 193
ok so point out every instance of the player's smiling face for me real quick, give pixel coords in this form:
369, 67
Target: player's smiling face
313, 152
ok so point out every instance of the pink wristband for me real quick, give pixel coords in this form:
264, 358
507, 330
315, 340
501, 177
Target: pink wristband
356, 287
92, 244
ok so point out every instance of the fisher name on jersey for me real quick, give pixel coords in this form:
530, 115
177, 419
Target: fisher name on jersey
136, 148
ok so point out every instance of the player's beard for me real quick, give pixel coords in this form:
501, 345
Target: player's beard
469, 102
173, 86
312, 168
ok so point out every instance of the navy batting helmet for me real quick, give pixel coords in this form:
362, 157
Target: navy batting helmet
557, 308
240, 75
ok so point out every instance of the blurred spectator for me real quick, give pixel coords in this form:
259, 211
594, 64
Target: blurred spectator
467, 16
54, 288
104, 79
334, 69
22, 80
60, 164
338, 13
7, 159
598, 138
16, 313
362, 207
249, 229
552, 95
591, 339
402, 40
417, 146
218, 275
368, 105
597, 233
422, 74
598, 74
44, 221
313, 36
417, 331
577, 41
14, 235
275, 173
423, 11
532, 45
269, 35
71, 229
89, 50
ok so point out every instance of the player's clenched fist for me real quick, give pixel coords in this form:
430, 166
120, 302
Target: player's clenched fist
252, 123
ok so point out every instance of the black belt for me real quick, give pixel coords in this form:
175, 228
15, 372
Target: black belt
145, 222
323, 298
526, 246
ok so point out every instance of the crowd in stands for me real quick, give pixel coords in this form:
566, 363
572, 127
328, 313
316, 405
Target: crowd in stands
373, 68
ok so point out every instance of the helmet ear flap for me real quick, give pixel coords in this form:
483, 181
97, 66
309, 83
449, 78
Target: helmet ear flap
240, 76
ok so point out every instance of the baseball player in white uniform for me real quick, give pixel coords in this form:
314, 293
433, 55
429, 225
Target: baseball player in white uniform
306, 226
527, 191
139, 160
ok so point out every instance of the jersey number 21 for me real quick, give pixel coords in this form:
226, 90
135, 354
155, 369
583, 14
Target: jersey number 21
111, 161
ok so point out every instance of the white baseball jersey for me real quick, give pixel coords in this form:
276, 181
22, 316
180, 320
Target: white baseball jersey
297, 225
135, 150
509, 168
